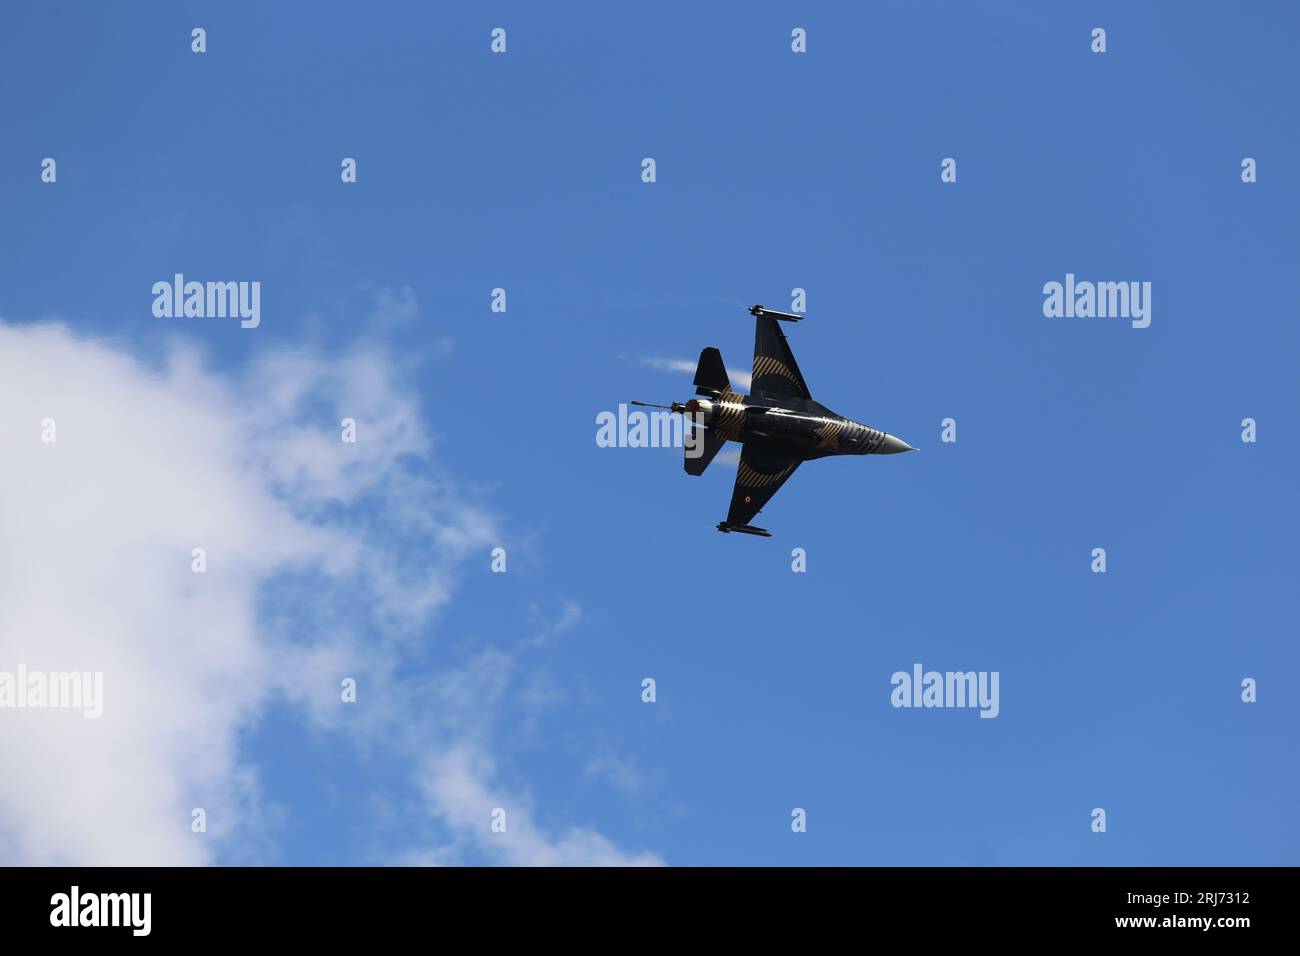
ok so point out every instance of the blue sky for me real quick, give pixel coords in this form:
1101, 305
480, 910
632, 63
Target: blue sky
774, 171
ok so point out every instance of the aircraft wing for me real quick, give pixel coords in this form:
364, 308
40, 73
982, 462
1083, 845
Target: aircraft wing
764, 468
775, 371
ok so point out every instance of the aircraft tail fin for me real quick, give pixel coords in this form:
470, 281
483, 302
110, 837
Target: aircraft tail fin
711, 375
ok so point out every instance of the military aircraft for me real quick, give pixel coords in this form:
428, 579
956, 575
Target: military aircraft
778, 423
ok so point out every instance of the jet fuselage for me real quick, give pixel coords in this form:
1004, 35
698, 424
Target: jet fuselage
803, 425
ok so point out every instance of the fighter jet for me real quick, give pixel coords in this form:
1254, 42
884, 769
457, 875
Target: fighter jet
778, 424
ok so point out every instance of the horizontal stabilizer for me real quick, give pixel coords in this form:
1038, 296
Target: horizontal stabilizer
710, 443
711, 375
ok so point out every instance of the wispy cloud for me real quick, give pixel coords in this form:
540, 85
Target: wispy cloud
323, 558
549, 628
621, 773
457, 790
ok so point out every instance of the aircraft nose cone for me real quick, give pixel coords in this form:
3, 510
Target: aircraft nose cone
893, 445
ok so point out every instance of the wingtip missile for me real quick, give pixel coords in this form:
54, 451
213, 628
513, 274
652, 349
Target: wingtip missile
743, 529
759, 312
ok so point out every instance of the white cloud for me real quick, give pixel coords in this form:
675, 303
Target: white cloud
548, 629
96, 533
457, 791
461, 782
621, 773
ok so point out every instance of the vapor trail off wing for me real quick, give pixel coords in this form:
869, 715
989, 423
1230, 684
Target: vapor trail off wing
764, 468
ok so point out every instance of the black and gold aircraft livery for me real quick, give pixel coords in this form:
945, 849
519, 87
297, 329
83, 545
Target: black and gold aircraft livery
778, 424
